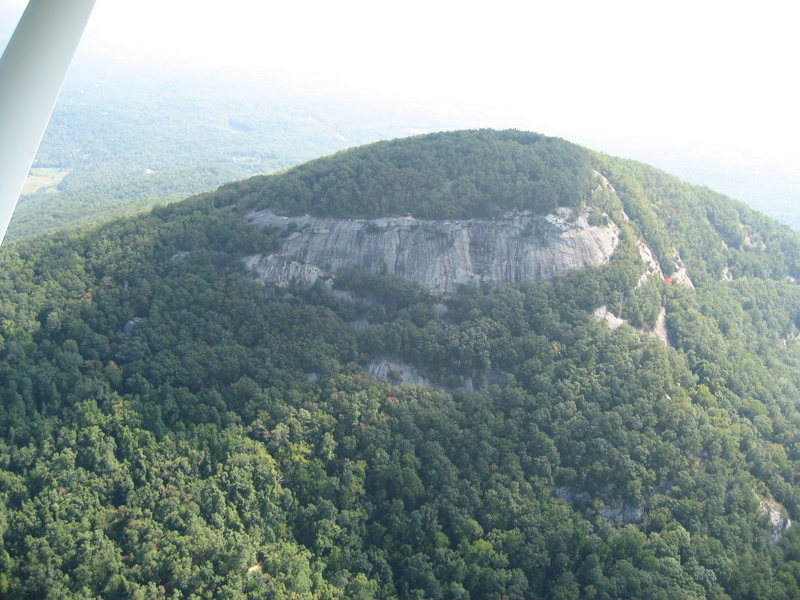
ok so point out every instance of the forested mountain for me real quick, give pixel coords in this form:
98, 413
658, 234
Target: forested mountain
173, 428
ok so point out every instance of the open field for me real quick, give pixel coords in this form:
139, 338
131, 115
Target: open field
43, 177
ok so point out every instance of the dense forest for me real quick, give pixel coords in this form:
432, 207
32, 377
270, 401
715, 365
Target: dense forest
171, 429
439, 176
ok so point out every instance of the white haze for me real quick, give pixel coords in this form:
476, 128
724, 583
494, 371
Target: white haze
667, 82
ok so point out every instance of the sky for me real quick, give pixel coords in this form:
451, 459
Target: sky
716, 79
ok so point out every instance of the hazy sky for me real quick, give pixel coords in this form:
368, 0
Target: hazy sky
717, 78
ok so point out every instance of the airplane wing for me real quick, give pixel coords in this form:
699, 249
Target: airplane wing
32, 71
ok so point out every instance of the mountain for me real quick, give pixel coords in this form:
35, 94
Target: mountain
487, 364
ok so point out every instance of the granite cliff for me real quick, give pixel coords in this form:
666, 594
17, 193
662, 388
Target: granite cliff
439, 254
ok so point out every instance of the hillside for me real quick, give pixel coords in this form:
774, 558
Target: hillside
176, 424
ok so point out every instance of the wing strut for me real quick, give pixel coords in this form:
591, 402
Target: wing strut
32, 71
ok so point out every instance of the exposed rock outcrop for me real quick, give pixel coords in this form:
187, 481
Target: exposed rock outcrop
681, 275
778, 518
395, 372
651, 266
611, 512
440, 255
659, 330
602, 313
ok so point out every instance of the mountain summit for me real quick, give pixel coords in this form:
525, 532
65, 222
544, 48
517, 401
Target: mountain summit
453, 175
472, 364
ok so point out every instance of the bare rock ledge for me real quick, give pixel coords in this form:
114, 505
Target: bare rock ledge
440, 255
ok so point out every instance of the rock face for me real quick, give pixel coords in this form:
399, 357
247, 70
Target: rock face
440, 255
778, 517
394, 371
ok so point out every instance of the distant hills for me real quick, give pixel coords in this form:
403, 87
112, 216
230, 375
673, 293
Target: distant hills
173, 424
122, 142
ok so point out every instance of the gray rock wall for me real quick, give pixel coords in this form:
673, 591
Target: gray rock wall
441, 255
